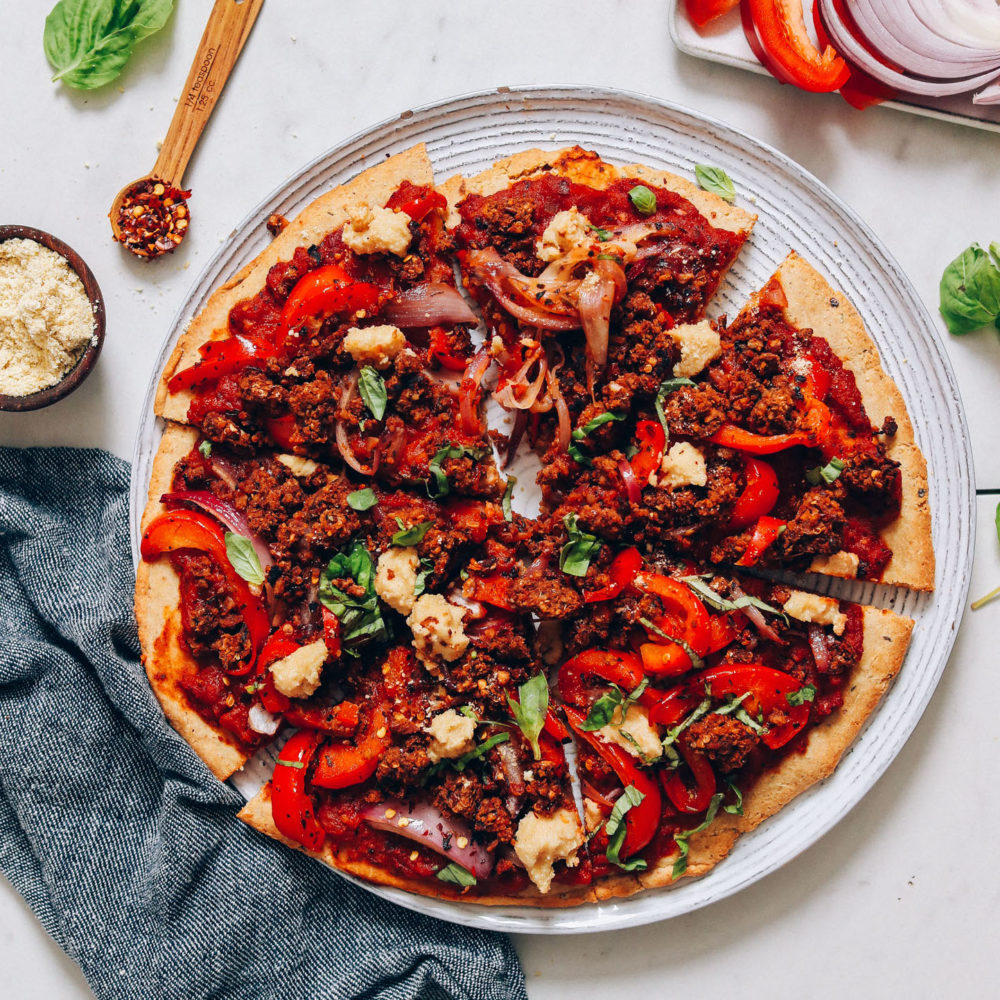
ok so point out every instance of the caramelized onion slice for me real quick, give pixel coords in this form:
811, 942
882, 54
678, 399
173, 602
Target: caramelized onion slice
433, 304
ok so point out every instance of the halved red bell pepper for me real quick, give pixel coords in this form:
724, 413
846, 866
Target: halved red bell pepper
684, 617
342, 764
622, 571
769, 690
651, 440
765, 534
220, 357
758, 497
623, 669
694, 797
189, 529
641, 821
327, 291
292, 807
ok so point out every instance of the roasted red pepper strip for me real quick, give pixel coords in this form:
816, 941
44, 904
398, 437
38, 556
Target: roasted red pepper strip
723, 629
651, 439
327, 291
189, 529
769, 690
758, 497
672, 706
622, 571
765, 533
623, 669
220, 357
277, 647
439, 350
342, 764
694, 798
291, 806
419, 208
340, 719
702, 12
641, 821
331, 632
684, 616
493, 590
554, 726
664, 660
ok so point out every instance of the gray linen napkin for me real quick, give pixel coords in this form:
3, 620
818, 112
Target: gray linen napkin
121, 841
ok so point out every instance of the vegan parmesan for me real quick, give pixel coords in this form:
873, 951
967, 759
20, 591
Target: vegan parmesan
46, 321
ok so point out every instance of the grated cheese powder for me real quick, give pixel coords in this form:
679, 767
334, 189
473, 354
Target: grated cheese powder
46, 321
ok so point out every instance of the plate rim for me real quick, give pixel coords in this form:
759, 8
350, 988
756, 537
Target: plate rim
588, 917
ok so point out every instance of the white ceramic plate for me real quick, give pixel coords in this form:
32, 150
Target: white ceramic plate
795, 211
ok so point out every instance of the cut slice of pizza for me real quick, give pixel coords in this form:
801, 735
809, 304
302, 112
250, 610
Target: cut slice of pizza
581, 268
787, 447
703, 703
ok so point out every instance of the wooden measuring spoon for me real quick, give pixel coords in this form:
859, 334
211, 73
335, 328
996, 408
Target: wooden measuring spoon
150, 216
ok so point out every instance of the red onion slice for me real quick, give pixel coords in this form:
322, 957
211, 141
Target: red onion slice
820, 648
756, 616
224, 469
343, 443
433, 304
632, 487
421, 822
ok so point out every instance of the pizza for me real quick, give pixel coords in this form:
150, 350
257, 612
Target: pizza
466, 701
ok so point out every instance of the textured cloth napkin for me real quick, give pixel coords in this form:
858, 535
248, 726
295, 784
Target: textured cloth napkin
119, 838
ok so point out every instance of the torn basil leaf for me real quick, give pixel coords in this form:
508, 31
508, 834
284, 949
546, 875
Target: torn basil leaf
206, 449
361, 618
643, 199
696, 661
828, 473
413, 535
243, 558
681, 839
460, 763
508, 493
576, 554
586, 430
736, 808
456, 874
602, 234
616, 829
720, 603
438, 485
716, 181
800, 697
371, 385
666, 388
420, 584
530, 711
362, 500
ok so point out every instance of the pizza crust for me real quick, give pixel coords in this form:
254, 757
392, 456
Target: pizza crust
157, 611
324, 214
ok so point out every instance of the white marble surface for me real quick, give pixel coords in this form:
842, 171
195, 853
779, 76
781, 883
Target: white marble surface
902, 896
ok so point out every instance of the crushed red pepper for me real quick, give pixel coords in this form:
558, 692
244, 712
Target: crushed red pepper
153, 217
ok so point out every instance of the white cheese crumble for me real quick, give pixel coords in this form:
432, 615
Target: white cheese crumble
541, 841
564, 233
813, 608
396, 578
837, 564
375, 230
297, 465
262, 721
374, 345
437, 629
46, 321
683, 465
298, 674
699, 345
635, 734
451, 735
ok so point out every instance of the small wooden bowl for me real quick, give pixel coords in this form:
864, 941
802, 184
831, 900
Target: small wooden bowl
72, 378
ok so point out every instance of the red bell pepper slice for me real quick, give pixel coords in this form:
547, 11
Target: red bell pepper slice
670, 707
220, 357
623, 669
493, 590
696, 797
758, 497
292, 807
684, 616
776, 31
189, 529
420, 207
652, 439
439, 350
660, 660
641, 821
331, 632
701, 12
278, 646
622, 571
340, 765
327, 291
280, 429
723, 629
554, 727
340, 719
765, 533
769, 690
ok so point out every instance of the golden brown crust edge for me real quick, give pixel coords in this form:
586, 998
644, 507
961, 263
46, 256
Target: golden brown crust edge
583, 167
257, 813
324, 214
157, 611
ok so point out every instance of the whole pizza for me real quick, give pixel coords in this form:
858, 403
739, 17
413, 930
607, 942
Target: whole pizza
477, 704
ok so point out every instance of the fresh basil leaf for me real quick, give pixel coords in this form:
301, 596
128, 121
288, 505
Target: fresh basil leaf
617, 258
243, 558
602, 234
800, 697
603, 710
460, 763
413, 535
736, 809
88, 42
361, 618
616, 829
720, 603
420, 584
671, 385
828, 473
298, 765
970, 290
681, 838
696, 660
530, 711
586, 430
576, 554
456, 874
469, 712
371, 385
643, 199
744, 716
731, 704
438, 485
715, 180
362, 500
702, 709
206, 449
508, 493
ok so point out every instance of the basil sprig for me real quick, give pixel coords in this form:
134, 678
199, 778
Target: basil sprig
530, 710
371, 385
460, 763
456, 874
716, 181
413, 535
88, 42
575, 555
720, 603
828, 473
616, 829
643, 199
603, 710
361, 618
970, 290
243, 558
666, 388
682, 836
362, 500
586, 430
438, 485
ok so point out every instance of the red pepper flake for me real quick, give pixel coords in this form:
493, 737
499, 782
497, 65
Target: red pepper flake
153, 217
